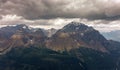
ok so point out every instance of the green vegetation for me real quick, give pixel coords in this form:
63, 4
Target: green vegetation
38, 59
35, 58
95, 60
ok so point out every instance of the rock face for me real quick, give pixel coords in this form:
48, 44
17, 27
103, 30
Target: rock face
75, 35
20, 36
30, 38
6, 33
38, 37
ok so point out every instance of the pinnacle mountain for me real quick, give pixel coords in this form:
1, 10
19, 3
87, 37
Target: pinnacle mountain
75, 35
75, 27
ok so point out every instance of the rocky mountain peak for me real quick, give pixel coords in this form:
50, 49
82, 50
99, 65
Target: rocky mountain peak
76, 26
75, 35
22, 26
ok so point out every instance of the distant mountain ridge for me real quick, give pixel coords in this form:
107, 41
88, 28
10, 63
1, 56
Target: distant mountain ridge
72, 36
113, 35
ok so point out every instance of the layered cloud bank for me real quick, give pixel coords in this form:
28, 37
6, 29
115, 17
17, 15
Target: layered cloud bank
103, 15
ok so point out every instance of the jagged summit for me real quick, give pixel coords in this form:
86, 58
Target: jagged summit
76, 23
76, 26
22, 27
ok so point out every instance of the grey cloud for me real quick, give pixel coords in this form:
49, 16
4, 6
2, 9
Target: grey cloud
42, 22
48, 9
13, 20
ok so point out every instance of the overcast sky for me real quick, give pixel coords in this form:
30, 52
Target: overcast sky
103, 15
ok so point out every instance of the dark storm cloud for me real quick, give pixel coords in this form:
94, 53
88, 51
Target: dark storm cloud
47, 9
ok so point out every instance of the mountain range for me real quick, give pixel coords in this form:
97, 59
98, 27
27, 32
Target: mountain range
75, 46
113, 35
